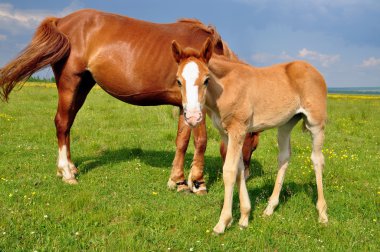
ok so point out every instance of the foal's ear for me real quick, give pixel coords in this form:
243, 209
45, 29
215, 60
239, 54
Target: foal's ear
207, 49
177, 51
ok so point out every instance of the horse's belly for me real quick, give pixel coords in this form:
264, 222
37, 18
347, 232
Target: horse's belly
146, 98
269, 121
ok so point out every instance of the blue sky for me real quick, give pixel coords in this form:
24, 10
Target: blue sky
340, 37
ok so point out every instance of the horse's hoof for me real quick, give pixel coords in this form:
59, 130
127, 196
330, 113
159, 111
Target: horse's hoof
70, 181
247, 173
183, 189
171, 184
59, 173
197, 187
201, 192
74, 170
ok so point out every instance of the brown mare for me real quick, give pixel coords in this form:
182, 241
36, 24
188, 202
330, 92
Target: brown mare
130, 59
240, 98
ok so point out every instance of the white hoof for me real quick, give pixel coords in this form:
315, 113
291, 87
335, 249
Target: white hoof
171, 184
268, 210
70, 181
322, 209
219, 228
323, 219
243, 222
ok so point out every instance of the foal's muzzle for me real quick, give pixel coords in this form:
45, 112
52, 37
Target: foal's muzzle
193, 117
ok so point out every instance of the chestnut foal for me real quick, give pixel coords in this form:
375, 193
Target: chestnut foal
240, 98
130, 59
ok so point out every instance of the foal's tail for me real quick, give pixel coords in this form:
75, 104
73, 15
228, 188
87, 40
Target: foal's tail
47, 47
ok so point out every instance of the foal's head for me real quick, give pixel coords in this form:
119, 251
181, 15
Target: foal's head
192, 78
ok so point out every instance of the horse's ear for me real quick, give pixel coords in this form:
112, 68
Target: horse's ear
207, 49
176, 49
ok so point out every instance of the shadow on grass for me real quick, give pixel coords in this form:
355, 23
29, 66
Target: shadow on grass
260, 195
213, 169
157, 159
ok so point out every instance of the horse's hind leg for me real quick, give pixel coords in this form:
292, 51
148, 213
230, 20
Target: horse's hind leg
283, 138
72, 92
177, 177
317, 158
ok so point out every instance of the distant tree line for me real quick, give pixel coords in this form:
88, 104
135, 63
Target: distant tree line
39, 79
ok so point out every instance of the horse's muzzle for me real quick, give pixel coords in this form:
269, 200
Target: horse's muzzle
193, 117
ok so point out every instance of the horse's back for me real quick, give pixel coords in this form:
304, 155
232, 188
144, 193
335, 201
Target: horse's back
129, 58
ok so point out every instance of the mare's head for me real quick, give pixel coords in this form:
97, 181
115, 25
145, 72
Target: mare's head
192, 78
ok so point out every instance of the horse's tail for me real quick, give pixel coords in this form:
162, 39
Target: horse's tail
47, 47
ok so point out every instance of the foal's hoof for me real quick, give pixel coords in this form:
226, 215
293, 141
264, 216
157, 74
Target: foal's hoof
268, 211
70, 181
243, 222
323, 219
220, 227
218, 230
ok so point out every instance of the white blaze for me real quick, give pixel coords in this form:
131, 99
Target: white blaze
191, 73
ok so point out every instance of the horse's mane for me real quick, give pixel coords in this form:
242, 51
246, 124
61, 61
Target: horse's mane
216, 38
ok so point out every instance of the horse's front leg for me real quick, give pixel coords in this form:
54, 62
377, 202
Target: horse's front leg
230, 173
196, 180
177, 177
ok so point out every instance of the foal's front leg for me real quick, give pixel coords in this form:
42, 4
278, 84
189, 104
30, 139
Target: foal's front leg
250, 144
230, 173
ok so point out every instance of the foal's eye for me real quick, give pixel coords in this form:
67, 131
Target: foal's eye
206, 81
179, 83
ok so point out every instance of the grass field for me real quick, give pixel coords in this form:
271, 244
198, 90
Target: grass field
124, 155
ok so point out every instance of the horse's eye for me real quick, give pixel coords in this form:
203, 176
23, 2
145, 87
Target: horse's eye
206, 81
179, 83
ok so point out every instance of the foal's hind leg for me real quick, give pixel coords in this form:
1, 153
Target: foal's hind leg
317, 158
177, 177
245, 203
283, 138
72, 92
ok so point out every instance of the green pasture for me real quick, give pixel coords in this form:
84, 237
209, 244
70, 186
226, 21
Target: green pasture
124, 156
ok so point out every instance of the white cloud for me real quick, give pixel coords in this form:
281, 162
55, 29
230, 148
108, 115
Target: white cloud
315, 3
324, 59
3, 37
9, 17
13, 20
371, 62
